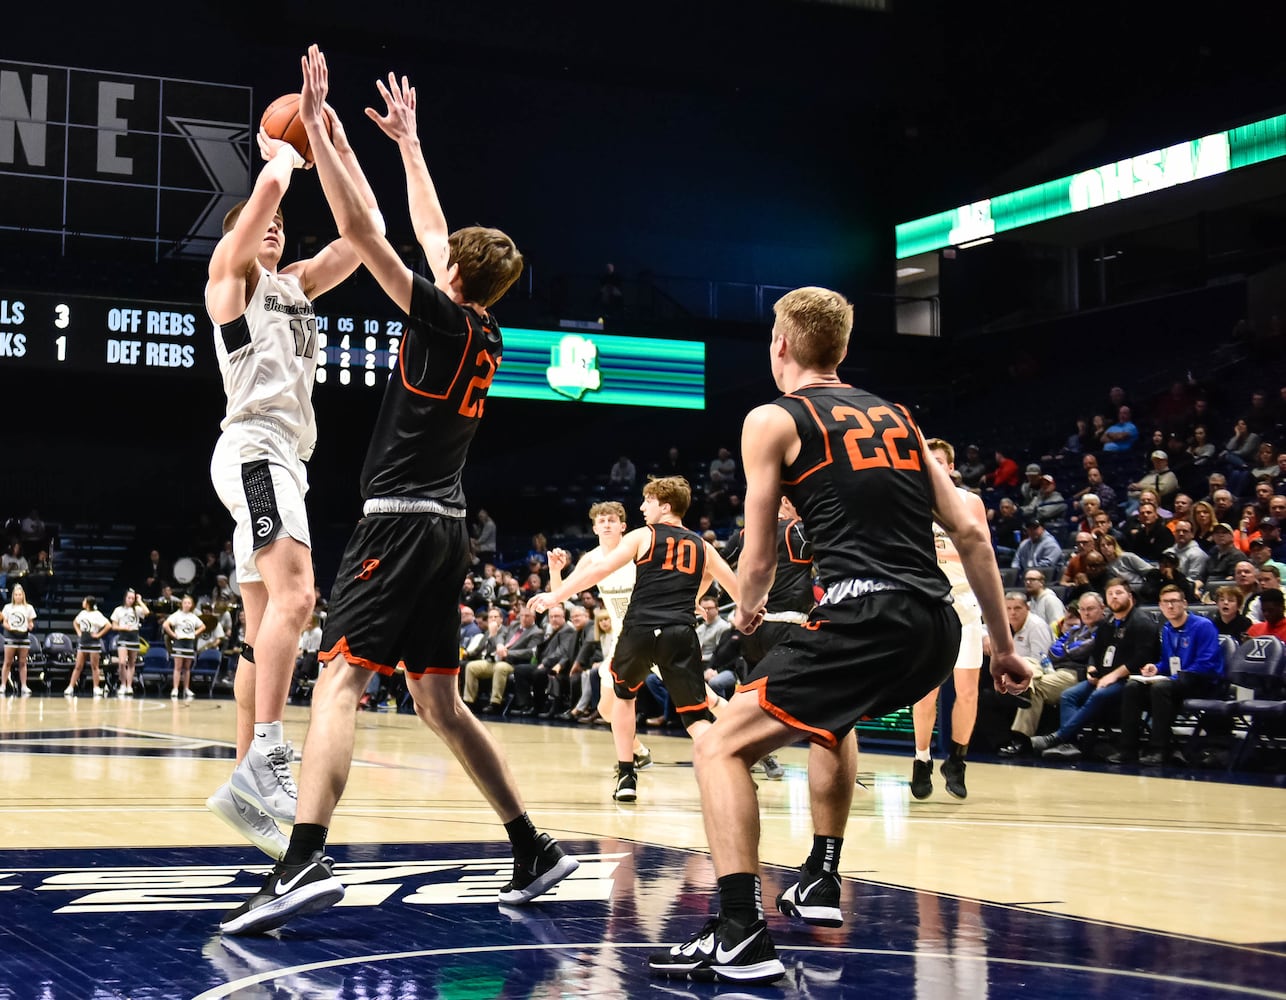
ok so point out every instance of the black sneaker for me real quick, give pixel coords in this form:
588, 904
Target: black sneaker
723, 951
921, 778
814, 899
287, 892
953, 771
627, 787
532, 876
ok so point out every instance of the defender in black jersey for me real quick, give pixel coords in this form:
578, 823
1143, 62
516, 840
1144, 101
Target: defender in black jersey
883, 635
394, 604
673, 568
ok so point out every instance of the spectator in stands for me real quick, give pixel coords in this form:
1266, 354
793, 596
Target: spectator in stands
1165, 573
483, 663
1007, 525
1030, 488
1039, 549
1270, 531
1089, 506
971, 469
556, 646
1161, 480
13, 565
1149, 536
1269, 577
1264, 465
1032, 634
1279, 476
1116, 398
227, 561
1122, 435
156, 574
1260, 417
1222, 561
1004, 476
723, 469
1274, 623
1180, 510
469, 627
673, 464
1096, 486
472, 598
1048, 507
1192, 559
1229, 620
1042, 601
1094, 578
556, 664
623, 473
1062, 668
1240, 450
487, 537
1103, 526
35, 533
1203, 525
1122, 645
39, 579
539, 552
1082, 544
1245, 576
1190, 666
1226, 507
710, 629
1082, 441
1128, 566
1261, 555
1201, 450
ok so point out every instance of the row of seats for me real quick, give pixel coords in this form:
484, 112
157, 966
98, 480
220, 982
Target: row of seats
1256, 671
50, 662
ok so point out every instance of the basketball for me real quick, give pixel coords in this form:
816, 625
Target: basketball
281, 121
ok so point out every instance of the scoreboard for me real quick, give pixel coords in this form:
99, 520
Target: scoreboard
51, 331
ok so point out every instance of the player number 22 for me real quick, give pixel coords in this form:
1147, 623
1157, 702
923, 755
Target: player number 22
471, 406
878, 457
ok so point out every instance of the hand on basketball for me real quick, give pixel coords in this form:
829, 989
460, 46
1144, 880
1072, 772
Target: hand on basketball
747, 621
270, 148
399, 98
1011, 673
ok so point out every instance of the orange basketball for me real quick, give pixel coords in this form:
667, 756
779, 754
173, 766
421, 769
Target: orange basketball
281, 121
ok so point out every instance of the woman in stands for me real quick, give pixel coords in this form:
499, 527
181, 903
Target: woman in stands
1265, 461
183, 627
1204, 520
1131, 568
126, 621
18, 617
1202, 450
90, 625
1241, 447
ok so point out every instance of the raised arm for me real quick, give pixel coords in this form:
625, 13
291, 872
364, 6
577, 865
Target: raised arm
399, 124
357, 223
587, 574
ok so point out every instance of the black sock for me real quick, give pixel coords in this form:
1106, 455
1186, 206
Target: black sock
741, 898
305, 840
625, 766
522, 835
959, 750
825, 856
248, 652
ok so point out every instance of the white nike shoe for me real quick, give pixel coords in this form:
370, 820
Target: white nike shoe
249, 821
264, 781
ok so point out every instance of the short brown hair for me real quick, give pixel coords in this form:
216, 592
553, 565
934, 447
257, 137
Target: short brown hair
1228, 590
489, 263
937, 444
607, 507
673, 490
820, 322
1172, 588
234, 213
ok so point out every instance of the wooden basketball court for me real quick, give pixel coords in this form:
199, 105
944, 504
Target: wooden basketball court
1069, 879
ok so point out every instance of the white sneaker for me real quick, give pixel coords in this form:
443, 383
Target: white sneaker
120, 692
68, 692
174, 693
188, 694
253, 824
265, 782
26, 692
98, 692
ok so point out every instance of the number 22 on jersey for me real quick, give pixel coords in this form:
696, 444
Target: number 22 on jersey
860, 441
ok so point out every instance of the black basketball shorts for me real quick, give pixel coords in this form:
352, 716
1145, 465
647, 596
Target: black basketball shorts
396, 596
677, 651
858, 659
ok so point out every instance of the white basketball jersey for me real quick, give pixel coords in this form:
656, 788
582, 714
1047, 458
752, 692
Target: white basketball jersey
272, 374
962, 597
616, 589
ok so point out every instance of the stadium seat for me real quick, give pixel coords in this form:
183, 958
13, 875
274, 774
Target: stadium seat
207, 666
1257, 664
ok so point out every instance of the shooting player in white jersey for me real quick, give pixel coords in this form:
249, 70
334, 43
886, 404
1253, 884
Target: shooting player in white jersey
265, 338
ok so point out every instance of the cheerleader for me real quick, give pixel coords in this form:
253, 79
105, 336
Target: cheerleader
18, 617
183, 627
90, 625
126, 620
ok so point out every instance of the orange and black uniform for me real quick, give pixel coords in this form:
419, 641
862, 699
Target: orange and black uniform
396, 594
791, 596
884, 633
660, 624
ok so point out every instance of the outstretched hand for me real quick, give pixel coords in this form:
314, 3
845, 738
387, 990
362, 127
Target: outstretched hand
1011, 673
312, 95
399, 99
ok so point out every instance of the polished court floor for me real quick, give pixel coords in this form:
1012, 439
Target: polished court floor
1045, 882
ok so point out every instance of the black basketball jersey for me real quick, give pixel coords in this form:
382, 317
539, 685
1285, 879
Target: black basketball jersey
433, 401
861, 485
667, 579
792, 586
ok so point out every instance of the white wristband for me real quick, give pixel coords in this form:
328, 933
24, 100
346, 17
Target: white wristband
296, 158
377, 220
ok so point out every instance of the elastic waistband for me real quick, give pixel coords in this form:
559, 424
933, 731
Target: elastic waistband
270, 424
843, 590
794, 617
410, 505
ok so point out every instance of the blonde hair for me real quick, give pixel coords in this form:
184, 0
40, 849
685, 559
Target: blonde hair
937, 444
673, 490
607, 507
819, 322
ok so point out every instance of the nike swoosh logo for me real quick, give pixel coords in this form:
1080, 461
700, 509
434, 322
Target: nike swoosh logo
803, 893
732, 954
281, 888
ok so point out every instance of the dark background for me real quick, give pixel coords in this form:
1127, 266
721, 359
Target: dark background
759, 143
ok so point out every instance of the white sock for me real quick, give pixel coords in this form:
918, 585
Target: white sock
923, 755
268, 735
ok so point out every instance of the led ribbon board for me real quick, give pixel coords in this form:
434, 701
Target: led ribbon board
1138, 175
